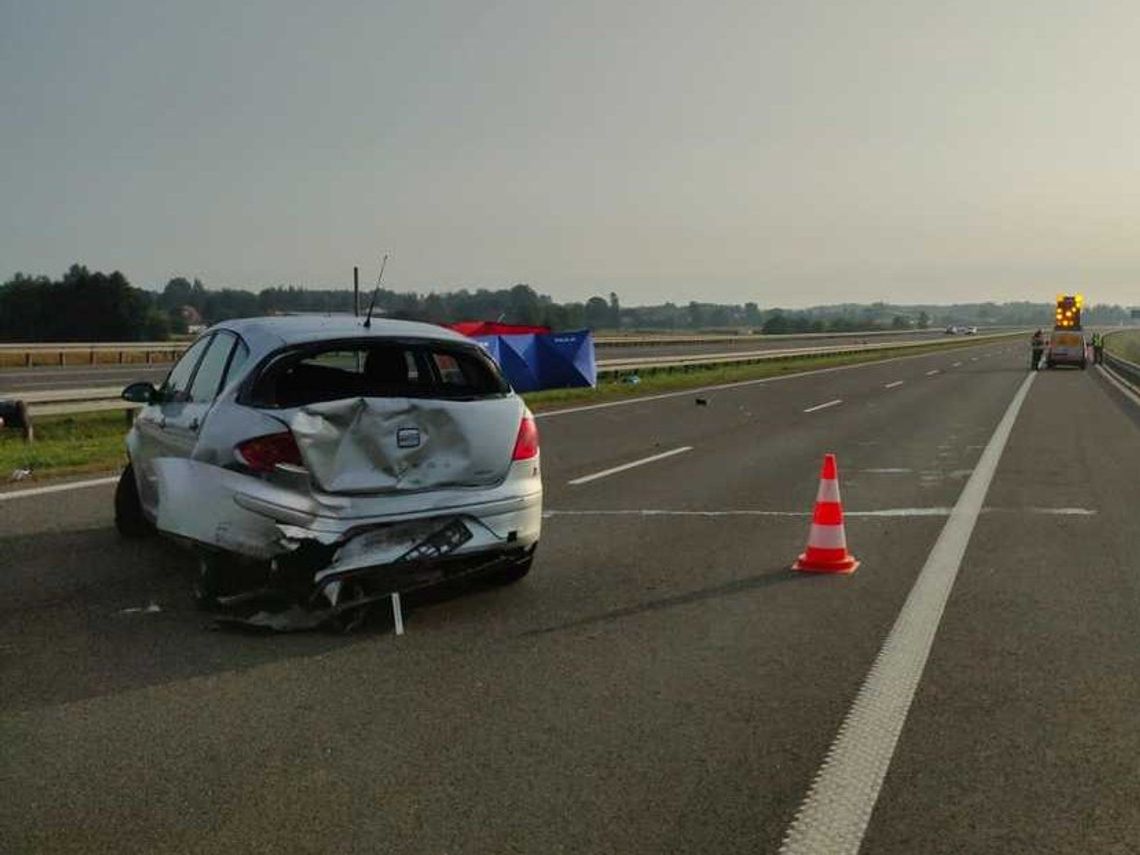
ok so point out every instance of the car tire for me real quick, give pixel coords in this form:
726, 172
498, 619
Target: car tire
130, 521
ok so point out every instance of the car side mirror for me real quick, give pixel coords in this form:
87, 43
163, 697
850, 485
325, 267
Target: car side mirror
142, 392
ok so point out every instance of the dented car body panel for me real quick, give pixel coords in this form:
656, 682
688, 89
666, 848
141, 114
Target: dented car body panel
417, 464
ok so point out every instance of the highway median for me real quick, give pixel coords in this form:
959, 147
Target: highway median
91, 442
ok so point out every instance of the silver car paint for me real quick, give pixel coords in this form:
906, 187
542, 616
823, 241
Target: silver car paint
359, 482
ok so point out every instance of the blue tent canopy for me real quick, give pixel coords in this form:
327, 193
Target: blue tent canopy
544, 360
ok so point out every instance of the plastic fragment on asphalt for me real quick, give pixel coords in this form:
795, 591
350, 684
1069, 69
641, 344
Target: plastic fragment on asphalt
397, 614
146, 610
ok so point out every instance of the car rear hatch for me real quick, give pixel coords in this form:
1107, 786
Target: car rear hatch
385, 417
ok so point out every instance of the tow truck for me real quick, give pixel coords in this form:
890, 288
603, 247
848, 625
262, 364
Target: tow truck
1066, 342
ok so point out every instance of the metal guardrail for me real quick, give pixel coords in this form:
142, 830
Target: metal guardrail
29, 354
93, 399
1128, 372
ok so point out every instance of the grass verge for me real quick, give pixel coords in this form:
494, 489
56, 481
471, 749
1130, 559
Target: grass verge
66, 445
93, 442
700, 376
1126, 345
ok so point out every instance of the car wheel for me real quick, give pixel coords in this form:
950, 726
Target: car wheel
514, 571
130, 521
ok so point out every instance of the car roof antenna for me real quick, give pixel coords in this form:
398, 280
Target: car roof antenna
375, 291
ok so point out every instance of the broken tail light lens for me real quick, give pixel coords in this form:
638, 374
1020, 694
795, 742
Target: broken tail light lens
526, 443
262, 453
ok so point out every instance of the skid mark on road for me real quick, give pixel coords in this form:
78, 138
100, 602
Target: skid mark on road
736, 586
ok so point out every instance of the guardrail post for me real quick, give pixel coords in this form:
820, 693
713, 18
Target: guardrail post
147, 356
61, 358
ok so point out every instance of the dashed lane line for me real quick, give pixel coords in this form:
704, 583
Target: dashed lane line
824, 406
585, 479
894, 385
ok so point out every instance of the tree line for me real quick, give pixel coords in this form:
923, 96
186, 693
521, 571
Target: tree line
92, 306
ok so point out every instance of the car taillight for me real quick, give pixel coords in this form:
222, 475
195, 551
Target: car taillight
262, 453
526, 444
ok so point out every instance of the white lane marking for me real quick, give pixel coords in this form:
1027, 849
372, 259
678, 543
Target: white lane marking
882, 512
824, 406
838, 806
888, 471
973, 359
956, 364
57, 488
587, 478
894, 385
932, 372
642, 399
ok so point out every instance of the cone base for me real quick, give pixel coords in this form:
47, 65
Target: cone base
848, 565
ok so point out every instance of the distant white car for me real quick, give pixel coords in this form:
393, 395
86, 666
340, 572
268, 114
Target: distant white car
346, 462
971, 330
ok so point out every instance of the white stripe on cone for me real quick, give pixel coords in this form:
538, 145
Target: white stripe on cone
827, 537
828, 490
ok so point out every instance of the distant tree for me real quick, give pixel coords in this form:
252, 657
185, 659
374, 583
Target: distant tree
898, 322
696, 315
523, 305
176, 294
776, 324
615, 311
923, 320
752, 314
597, 313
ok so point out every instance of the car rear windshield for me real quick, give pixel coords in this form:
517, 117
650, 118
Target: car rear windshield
336, 370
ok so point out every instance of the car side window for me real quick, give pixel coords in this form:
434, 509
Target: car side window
237, 360
208, 378
176, 389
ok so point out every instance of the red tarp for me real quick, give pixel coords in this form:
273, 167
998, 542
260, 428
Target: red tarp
473, 328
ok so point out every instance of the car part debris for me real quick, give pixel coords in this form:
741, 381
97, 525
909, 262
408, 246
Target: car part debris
20, 474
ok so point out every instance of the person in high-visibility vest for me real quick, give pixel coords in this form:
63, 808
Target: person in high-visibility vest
1036, 344
1098, 348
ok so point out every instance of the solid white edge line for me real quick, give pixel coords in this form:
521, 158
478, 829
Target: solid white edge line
56, 488
824, 406
894, 385
587, 478
642, 399
834, 815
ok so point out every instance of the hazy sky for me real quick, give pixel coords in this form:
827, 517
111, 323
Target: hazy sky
789, 153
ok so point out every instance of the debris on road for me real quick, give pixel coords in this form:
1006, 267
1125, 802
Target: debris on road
20, 475
702, 402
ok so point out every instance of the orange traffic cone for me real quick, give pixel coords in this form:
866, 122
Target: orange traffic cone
827, 543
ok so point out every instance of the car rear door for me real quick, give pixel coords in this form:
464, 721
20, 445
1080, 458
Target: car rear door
183, 418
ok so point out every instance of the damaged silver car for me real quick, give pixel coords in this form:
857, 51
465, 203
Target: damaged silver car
333, 462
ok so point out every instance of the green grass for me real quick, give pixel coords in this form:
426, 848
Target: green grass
93, 442
1126, 345
698, 377
66, 445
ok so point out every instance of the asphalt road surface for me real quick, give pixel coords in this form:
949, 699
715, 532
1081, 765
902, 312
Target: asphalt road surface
661, 682
46, 378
